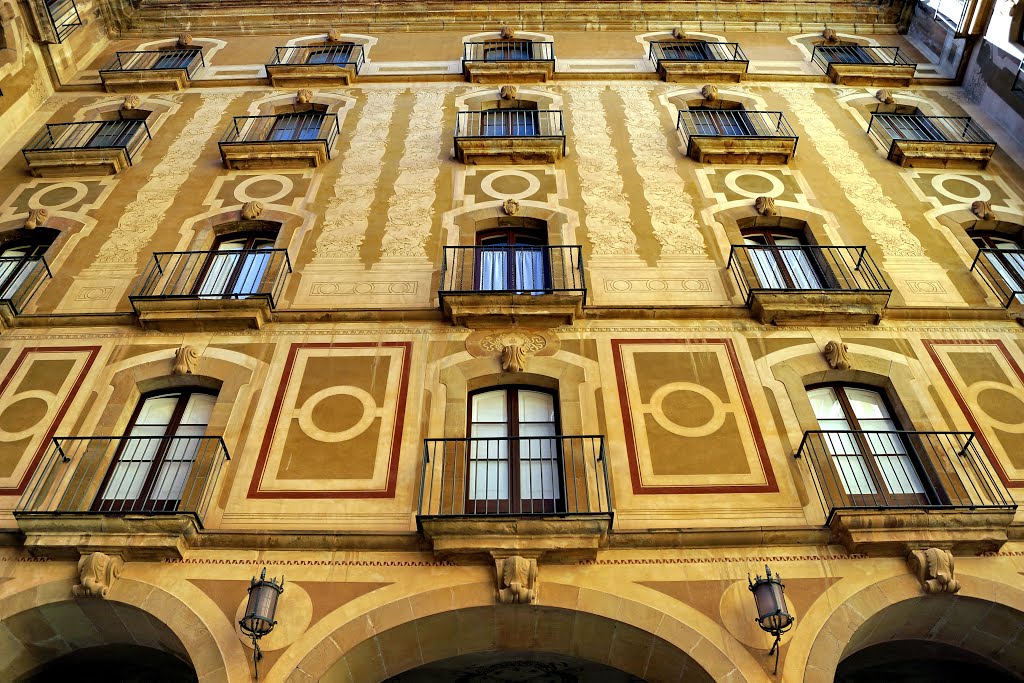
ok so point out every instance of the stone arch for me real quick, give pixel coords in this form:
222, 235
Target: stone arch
729, 219
46, 620
896, 608
640, 640
956, 222
209, 46
288, 227
459, 224
367, 42
490, 97
519, 35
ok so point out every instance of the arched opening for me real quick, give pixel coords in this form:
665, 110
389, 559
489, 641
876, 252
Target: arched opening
22, 263
524, 667
936, 639
92, 639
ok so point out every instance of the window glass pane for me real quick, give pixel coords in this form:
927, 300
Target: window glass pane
198, 409
866, 404
157, 410
535, 406
825, 404
490, 407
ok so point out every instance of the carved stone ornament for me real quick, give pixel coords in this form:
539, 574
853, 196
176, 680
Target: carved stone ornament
252, 210
304, 96
934, 569
830, 35
513, 358
36, 217
96, 575
678, 33
509, 92
335, 36
982, 210
510, 207
885, 96
184, 40
131, 102
765, 206
709, 92
837, 354
507, 32
186, 360
517, 580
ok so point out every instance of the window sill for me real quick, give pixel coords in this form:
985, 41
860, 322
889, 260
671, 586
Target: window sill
705, 71
310, 75
149, 80
524, 71
191, 314
487, 309
274, 154
941, 154
825, 307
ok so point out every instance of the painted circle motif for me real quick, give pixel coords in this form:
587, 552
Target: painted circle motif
283, 189
305, 414
939, 184
710, 427
733, 182
532, 184
38, 200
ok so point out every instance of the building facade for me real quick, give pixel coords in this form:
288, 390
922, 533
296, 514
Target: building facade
516, 340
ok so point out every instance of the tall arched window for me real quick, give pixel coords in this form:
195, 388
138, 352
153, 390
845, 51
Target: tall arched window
236, 266
515, 462
1006, 255
21, 261
151, 467
873, 461
782, 260
513, 258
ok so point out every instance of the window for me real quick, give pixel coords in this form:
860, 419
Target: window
721, 122
304, 126
510, 123
330, 54
871, 459
150, 470
1007, 257
175, 59
507, 51
515, 463
695, 51
784, 261
511, 259
18, 260
847, 54
916, 127
235, 267
950, 12
113, 134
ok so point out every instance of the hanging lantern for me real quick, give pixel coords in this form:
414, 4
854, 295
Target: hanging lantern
259, 612
772, 614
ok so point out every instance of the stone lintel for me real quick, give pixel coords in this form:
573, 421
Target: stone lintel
551, 539
741, 150
939, 154
882, 75
819, 308
176, 315
702, 71
509, 150
895, 532
145, 80
274, 154
133, 537
59, 163
519, 71
310, 75
502, 310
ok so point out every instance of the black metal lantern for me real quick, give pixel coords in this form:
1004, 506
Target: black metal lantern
259, 612
772, 615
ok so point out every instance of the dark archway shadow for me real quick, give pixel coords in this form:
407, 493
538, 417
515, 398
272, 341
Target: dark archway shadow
514, 666
917, 661
123, 663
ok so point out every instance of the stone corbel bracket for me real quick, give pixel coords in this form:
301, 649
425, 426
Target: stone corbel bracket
97, 573
517, 580
934, 568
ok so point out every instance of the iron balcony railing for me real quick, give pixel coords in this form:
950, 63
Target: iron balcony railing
901, 469
515, 476
694, 51
63, 17
125, 134
235, 274
510, 123
278, 128
804, 268
733, 123
339, 54
1018, 80
23, 278
509, 51
121, 475
1002, 271
519, 269
189, 59
888, 128
879, 55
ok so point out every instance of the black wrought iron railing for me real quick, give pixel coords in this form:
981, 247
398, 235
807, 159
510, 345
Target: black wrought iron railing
119, 475
804, 268
1002, 271
519, 269
235, 274
901, 469
63, 17
278, 128
694, 51
509, 51
330, 54
22, 278
515, 476
510, 123
878, 55
1018, 80
189, 59
733, 123
887, 128
125, 134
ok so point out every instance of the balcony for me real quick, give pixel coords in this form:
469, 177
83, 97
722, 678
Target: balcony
508, 61
932, 141
864, 65
1002, 271
488, 286
885, 492
150, 70
509, 136
55, 19
20, 279
315, 65
211, 290
87, 148
300, 140
735, 136
810, 284
688, 60
547, 496
140, 497
1018, 80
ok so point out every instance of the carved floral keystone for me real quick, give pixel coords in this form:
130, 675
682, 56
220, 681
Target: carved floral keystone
252, 210
837, 354
884, 96
510, 207
184, 40
513, 358
709, 92
335, 36
36, 218
131, 102
982, 210
186, 360
96, 575
304, 96
678, 33
509, 92
517, 580
507, 32
830, 35
765, 206
934, 569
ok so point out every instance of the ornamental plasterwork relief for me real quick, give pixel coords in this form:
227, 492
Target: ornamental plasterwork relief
411, 209
670, 205
347, 217
880, 215
607, 212
143, 216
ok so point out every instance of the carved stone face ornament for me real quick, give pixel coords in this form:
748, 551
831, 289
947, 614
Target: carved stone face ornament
709, 92
507, 32
982, 210
510, 207
304, 96
884, 96
509, 92
184, 40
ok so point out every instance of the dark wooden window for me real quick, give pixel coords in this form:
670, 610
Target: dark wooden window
297, 126
235, 266
512, 259
1007, 257
715, 121
782, 260
18, 260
